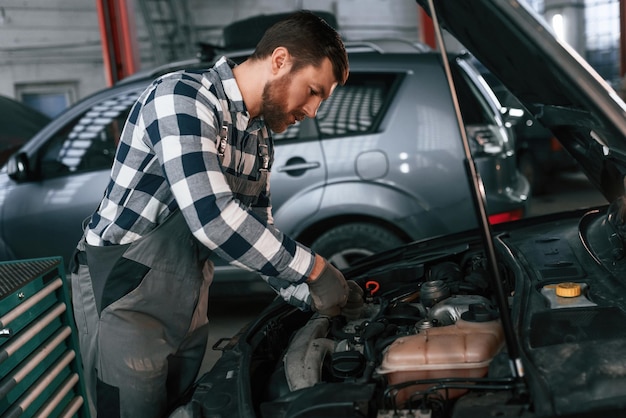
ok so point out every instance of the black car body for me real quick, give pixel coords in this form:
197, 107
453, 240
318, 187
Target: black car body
18, 123
524, 319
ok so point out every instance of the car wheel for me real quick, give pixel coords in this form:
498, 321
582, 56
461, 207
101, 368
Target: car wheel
345, 244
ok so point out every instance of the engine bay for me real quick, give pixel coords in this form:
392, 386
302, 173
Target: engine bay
429, 339
424, 336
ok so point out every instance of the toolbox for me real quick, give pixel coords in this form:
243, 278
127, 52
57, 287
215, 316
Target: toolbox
40, 366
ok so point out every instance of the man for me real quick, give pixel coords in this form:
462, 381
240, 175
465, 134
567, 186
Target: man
191, 177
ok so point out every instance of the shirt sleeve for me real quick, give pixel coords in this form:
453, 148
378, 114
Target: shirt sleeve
296, 294
181, 122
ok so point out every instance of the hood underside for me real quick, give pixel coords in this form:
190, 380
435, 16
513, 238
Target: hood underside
549, 78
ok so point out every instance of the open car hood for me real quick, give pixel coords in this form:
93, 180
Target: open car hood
551, 80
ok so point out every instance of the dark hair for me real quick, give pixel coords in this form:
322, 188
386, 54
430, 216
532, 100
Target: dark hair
309, 39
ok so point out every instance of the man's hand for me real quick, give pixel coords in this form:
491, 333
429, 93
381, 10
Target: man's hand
354, 306
328, 288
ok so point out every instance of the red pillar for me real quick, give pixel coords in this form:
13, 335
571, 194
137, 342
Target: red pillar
427, 29
119, 42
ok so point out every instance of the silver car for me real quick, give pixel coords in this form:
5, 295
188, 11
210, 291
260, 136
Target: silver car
380, 166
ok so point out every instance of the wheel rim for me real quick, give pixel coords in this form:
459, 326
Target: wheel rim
346, 258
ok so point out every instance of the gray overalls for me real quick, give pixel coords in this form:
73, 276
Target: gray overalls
141, 311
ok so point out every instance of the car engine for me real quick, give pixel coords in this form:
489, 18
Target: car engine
406, 351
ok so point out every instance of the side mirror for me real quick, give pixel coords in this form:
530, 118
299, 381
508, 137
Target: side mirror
18, 167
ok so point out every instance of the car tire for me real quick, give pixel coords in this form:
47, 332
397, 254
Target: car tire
345, 244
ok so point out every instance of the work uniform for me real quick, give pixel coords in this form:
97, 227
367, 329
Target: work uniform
190, 177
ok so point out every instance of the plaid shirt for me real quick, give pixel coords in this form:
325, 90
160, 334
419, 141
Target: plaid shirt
167, 159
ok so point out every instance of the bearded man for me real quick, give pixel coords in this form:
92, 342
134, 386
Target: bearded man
191, 178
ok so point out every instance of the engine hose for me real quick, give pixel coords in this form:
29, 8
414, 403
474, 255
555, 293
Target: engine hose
368, 371
303, 359
384, 304
370, 361
336, 329
384, 342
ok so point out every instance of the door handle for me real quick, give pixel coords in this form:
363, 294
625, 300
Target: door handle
297, 166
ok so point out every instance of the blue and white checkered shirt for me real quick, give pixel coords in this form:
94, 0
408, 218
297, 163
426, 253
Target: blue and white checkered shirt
168, 159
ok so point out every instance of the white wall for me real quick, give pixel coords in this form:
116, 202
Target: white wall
357, 19
572, 15
48, 43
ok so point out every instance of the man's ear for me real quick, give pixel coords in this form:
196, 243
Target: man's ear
281, 60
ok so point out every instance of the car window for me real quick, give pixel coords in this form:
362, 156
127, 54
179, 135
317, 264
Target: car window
88, 142
474, 109
479, 106
353, 109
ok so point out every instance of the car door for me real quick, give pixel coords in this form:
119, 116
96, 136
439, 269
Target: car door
298, 175
69, 171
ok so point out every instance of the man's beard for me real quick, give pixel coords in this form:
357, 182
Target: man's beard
274, 104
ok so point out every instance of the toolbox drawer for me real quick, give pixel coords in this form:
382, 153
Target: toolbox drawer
40, 367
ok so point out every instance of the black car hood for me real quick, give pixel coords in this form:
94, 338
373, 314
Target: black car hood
552, 81
18, 121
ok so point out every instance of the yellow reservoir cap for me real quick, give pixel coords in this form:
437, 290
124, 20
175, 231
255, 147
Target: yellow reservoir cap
568, 290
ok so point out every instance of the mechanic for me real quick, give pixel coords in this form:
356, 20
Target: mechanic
191, 177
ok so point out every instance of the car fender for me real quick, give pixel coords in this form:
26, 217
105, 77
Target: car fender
373, 200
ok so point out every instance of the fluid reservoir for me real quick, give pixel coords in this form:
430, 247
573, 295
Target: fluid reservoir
566, 295
464, 350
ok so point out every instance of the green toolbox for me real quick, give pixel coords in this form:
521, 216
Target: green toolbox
40, 368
